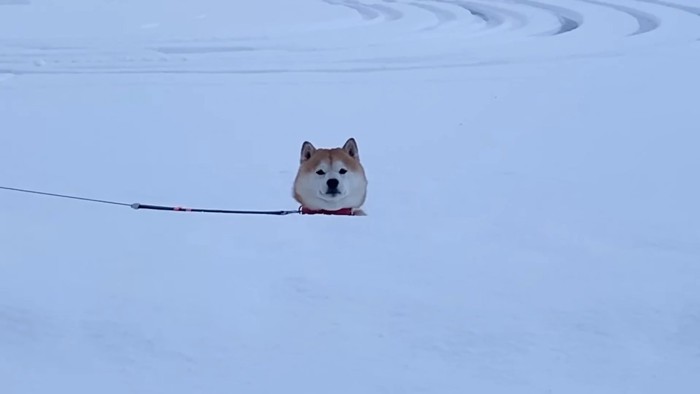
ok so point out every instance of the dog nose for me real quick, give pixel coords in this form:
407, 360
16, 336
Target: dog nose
332, 183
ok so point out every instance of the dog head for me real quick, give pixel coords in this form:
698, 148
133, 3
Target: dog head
330, 179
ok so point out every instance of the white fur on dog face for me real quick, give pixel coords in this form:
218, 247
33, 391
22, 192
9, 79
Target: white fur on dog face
314, 188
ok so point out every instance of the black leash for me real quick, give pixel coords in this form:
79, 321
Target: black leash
203, 210
138, 206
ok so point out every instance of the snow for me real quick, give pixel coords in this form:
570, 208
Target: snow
532, 227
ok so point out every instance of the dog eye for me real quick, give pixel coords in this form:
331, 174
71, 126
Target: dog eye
320, 172
343, 171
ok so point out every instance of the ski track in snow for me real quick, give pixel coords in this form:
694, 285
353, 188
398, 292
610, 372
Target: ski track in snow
465, 33
686, 8
369, 11
645, 22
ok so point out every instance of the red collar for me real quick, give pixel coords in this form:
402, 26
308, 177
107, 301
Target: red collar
342, 211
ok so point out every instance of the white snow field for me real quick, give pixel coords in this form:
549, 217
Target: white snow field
533, 221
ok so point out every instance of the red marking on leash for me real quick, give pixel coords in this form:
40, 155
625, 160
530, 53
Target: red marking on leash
342, 211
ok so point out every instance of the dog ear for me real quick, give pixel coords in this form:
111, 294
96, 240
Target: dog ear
350, 148
307, 149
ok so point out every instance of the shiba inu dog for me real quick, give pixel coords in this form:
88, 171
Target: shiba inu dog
330, 181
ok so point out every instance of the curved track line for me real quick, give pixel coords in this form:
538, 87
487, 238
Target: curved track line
646, 22
494, 32
365, 12
569, 20
368, 11
483, 16
443, 16
682, 7
492, 16
567, 25
389, 13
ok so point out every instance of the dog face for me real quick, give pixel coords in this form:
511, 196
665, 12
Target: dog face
330, 179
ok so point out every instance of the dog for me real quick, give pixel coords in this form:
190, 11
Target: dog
331, 181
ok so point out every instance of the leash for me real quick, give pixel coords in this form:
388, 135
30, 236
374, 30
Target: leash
138, 206
205, 210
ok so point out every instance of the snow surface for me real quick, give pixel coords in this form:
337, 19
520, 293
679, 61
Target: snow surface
533, 221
